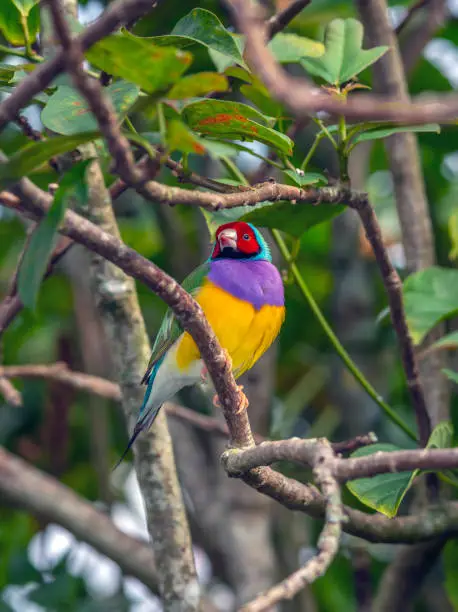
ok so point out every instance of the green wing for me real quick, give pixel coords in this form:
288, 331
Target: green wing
170, 330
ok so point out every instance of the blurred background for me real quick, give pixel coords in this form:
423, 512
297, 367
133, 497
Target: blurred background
243, 541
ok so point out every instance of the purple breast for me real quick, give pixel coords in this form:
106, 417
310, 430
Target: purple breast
257, 282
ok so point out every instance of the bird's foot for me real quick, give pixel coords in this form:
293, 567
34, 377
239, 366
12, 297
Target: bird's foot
243, 403
204, 375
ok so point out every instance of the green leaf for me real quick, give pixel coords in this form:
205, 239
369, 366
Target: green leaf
450, 562
451, 375
383, 492
384, 132
294, 219
306, 178
430, 296
441, 436
139, 60
290, 48
198, 84
14, 15
203, 27
35, 154
35, 261
344, 57
180, 138
68, 113
234, 120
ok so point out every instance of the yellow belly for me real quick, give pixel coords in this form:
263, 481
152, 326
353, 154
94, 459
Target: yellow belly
244, 332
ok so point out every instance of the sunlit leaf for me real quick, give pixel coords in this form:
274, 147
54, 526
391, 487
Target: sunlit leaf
139, 60
441, 436
234, 120
453, 235
289, 48
198, 84
68, 113
344, 57
384, 132
383, 492
35, 261
33, 155
430, 296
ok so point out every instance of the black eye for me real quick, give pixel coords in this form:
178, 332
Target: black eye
246, 236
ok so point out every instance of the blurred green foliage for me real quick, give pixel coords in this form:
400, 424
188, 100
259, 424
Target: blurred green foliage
312, 392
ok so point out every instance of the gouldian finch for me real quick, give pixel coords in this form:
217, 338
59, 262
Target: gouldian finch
241, 294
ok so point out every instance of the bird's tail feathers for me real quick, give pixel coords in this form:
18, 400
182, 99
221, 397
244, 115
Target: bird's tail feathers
144, 424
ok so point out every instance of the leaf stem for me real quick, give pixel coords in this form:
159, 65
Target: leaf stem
340, 350
318, 138
25, 29
327, 132
234, 170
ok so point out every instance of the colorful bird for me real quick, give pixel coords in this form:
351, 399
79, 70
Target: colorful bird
241, 294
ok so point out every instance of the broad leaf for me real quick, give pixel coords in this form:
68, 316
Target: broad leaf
294, 219
344, 57
301, 179
33, 155
68, 113
234, 120
384, 132
290, 48
180, 138
140, 61
198, 84
383, 492
14, 15
204, 28
430, 296
35, 261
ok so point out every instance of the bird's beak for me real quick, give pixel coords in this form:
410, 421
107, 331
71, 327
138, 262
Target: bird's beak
227, 239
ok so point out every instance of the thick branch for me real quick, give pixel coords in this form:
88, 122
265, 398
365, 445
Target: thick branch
45, 497
298, 450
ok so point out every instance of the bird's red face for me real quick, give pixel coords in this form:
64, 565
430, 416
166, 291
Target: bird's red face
236, 240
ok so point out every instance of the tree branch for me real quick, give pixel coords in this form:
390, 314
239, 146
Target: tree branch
43, 496
302, 98
320, 457
278, 22
298, 450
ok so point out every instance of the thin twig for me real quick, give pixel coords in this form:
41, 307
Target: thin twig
81, 381
9, 392
278, 22
393, 288
416, 6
